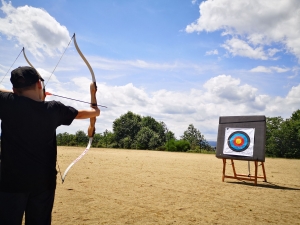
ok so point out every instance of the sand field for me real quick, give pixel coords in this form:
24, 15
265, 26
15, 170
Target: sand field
110, 186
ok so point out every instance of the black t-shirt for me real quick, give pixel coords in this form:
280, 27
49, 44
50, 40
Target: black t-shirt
28, 142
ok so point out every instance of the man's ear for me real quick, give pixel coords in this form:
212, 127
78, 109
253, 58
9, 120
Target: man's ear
40, 86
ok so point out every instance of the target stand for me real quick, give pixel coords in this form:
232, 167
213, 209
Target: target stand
244, 176
242, 138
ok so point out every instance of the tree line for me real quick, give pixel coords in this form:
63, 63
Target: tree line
283, 136
132, 131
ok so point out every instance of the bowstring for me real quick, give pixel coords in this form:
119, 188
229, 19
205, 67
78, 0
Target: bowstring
59, 60
45, 87
78, 100
11, 65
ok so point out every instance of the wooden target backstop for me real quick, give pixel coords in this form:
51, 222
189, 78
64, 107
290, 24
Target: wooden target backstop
242, 138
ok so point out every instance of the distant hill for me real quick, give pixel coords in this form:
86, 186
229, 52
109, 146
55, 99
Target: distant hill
212, 143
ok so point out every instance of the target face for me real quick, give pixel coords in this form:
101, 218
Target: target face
238, 141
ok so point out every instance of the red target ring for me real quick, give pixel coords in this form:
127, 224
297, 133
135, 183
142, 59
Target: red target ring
238, 141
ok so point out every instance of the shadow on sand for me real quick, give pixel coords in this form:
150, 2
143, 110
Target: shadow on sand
264, 185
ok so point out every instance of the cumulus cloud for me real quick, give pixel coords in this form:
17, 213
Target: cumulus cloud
252, 25
222, 95
34, 29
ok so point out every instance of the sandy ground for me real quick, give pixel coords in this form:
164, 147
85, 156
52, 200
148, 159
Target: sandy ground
109, 186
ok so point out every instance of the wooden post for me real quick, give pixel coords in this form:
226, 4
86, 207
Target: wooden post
224, 167
243, 176
233, 168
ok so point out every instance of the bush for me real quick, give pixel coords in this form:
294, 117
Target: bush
162, 148
198, 150
177, 146
182, 146
170, 145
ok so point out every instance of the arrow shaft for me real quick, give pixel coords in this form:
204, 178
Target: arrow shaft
75, 99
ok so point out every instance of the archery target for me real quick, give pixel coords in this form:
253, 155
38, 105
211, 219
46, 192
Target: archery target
239, 141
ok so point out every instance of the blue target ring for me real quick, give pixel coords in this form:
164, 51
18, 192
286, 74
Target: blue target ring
238, 141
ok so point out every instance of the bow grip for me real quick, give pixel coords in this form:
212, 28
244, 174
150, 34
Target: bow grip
93, 90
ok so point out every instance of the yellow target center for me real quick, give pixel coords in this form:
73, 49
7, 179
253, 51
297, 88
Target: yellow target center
238, 141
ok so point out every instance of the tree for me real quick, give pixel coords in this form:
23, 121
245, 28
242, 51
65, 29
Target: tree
158, 136
194, 137
64, 139
72, 140
81, 138
155, 141
170, 135
283, 136
97, 138
143, 138
109, 138
127, 126
133, 131
171, 146
274, 144
291, 131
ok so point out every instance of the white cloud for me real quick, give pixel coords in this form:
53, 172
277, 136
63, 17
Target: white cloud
258, 23
272, 51
279, 69
261, 69
34, 29
241, 48
212, 52
222, 95
271, 69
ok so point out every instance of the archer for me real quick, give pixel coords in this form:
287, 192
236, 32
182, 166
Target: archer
29, 151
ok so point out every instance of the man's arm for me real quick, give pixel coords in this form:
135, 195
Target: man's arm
88, 113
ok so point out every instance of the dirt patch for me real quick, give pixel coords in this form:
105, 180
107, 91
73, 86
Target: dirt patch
110, 186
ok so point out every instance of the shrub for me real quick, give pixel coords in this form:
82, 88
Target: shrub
182, 146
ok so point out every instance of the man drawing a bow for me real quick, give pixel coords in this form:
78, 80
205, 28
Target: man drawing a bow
28, 148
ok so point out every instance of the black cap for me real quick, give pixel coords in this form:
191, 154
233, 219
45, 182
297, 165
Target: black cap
24, 76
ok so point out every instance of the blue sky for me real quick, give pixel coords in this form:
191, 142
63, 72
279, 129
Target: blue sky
181, 62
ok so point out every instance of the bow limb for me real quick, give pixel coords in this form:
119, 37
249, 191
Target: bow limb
91, 129
44, 90
23, 50
93, 89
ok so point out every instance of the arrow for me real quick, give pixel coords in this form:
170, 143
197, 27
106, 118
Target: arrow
48, 93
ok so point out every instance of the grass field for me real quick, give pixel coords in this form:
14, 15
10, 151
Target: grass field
109, 186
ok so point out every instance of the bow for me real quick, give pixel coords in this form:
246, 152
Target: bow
11, 66
93, 90
91, 129
23, 50
44, 90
